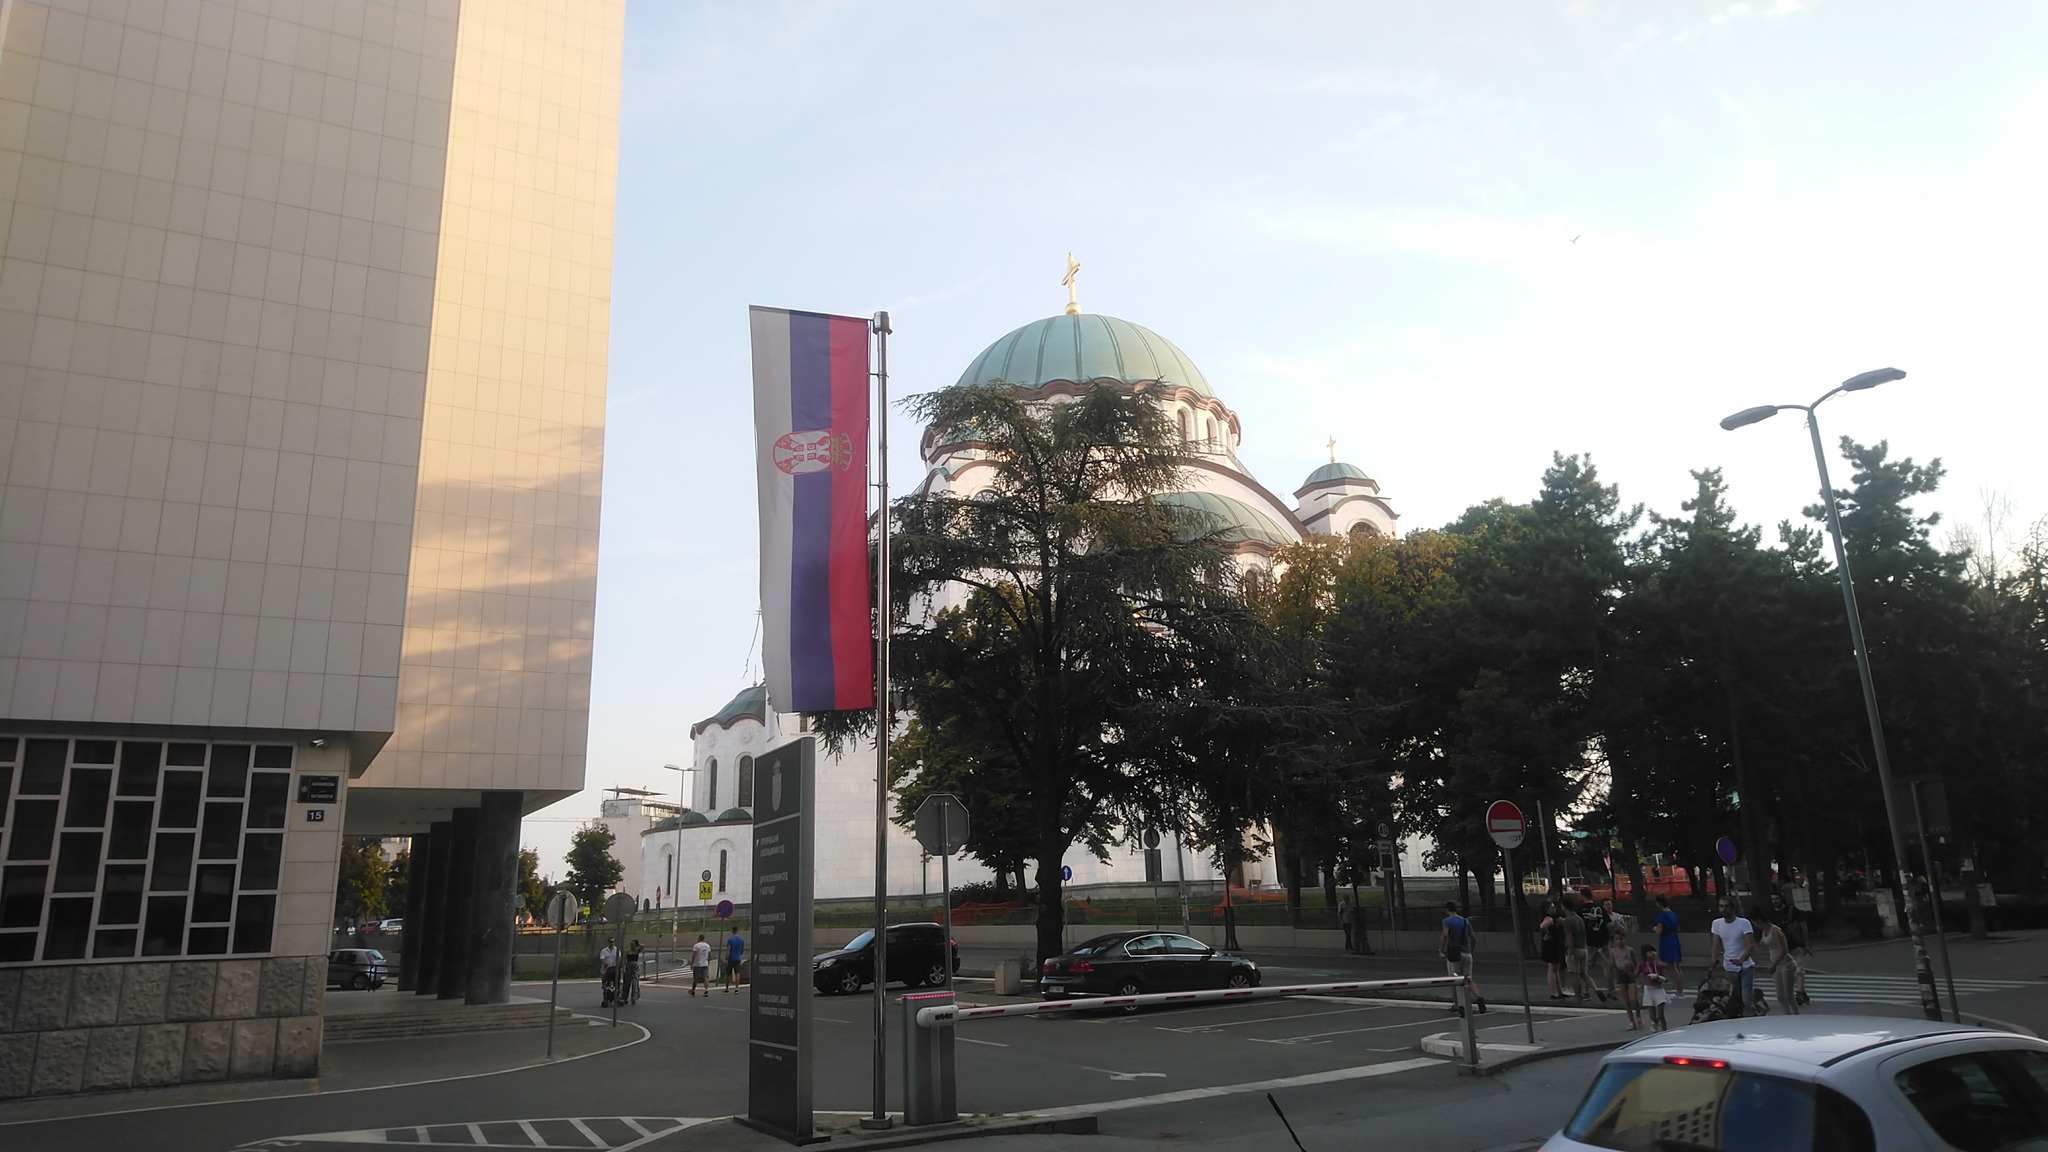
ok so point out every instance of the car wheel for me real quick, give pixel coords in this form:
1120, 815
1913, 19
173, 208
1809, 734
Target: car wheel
1239, 980
935, 976
850, 982
1129, 987
359, 982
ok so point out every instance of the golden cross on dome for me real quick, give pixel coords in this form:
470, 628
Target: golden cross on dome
1333, 449
1073, 272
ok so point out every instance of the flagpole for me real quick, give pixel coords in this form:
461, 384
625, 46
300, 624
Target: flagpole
883, 718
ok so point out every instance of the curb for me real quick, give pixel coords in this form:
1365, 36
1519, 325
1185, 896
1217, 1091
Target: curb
1451, 1046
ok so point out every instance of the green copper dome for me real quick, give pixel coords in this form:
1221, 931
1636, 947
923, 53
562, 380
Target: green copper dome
1234, 521
1335, 472
1081, 349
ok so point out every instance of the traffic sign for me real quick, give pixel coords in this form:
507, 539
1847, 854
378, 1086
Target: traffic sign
562, 909
1151, 838
705, 876
1066, 872
619, 907
1386, 833
1505, 824
941, 824
725, 909
704, 890
1725, 849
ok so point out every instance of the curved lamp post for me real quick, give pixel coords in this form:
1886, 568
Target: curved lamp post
675, 895
1923, 971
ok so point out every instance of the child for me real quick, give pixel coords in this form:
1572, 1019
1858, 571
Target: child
1622, 959
1650, 973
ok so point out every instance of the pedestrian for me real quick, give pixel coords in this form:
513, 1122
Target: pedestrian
608, 968
1622, 959
1777, 961
700, 967
1574, 946
1651, 975
735, 951
1670, 949
1346, 917
1598, 928
1455, 942
1551, 934
1787, 916
631, 989
1734, 943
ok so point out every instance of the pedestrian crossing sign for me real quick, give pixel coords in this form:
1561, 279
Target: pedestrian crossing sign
704, 890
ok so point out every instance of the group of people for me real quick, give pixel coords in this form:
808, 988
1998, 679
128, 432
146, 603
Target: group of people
1579, 939
621, 970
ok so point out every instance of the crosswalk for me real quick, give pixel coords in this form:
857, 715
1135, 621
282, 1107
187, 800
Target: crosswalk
580, 1134
1872, 988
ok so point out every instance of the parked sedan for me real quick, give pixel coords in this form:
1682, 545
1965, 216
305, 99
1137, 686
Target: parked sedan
1130, 963
1858, 1084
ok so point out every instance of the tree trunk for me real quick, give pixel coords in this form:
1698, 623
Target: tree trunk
1051, 909
1329, 866
1292, 862
1638, 904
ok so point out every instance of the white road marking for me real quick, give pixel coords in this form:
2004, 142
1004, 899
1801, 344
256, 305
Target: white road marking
596, 1141
1271, 1019
648, 1127
1316, 1036
532, 1133
1333, 1076
476, 1135
972, 1040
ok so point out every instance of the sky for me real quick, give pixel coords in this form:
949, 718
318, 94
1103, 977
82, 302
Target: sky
1456, 237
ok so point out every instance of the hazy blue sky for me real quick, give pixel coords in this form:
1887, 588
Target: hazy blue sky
1356, 218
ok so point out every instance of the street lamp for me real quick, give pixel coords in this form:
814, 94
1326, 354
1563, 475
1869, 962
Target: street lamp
1930, 1001
675, 883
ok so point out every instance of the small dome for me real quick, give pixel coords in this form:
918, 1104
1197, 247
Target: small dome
1084, 348
732, 814
1330, 472
673, 822
1234, 521
750, 704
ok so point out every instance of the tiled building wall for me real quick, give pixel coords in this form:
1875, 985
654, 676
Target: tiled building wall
215, 296
495, 675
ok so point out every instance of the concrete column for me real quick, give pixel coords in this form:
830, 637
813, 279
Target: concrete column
434, 912
494, 898
417, 856
453, 978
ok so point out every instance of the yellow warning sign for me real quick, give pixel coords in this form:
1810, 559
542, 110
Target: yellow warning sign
704, 891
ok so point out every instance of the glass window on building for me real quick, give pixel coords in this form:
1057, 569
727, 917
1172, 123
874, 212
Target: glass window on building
746, 781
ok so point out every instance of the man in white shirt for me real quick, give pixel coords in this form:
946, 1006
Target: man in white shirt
608, 964
1734, 940
700, 967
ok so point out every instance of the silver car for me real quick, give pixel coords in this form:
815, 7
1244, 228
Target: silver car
357, 968
1839, 1083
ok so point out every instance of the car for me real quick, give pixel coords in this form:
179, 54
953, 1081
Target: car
395, 924
358, 968
917, 951
1131, 963
1841, 1083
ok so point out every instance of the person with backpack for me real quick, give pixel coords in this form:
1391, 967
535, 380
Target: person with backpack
1598, 928
1455, 942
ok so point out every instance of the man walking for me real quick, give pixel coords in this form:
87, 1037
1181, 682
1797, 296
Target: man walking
1574, 945
608, 967
1734, 940
1346, 918
1670, 950
735, 951
1455, 942
1597, 928
700, 967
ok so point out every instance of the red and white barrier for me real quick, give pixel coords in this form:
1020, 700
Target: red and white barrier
935, 1016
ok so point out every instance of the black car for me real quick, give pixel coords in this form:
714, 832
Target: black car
916, 955
1130, 963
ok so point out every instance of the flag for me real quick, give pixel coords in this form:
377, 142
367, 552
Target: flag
811, 460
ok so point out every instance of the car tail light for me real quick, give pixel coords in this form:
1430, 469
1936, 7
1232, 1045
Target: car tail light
1081, 966
1695, 1062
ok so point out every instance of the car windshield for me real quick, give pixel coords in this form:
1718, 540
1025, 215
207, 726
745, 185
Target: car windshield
1095, 947
861, 941
1699, 1108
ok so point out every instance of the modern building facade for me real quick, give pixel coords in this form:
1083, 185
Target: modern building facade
303, 323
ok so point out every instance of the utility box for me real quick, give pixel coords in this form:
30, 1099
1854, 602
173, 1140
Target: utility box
1009, 978
928, 1095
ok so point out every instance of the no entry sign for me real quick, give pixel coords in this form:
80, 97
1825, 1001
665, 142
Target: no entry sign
1505, 824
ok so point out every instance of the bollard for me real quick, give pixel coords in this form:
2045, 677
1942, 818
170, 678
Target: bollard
1008, 981
1464, 1002
928, 1096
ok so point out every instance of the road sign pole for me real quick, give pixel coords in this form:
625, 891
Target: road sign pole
1934, 899
554, 993
1514, 889
946, 882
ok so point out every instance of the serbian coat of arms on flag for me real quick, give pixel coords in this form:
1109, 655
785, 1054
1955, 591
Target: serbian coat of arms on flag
811, 463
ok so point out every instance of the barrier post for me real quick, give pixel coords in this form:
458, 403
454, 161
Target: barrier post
928, 1095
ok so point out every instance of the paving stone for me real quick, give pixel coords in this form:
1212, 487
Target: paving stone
159, 1054
45, 998
298, 1046
207, 1046
110, 1058
255, 1049
284, 987
17, 1062
144, 988
10, 992
60, 1062
235, 987
95, 996
191, 991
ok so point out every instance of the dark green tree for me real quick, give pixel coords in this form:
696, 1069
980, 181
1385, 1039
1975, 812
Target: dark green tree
592, 869
359, 888
533, 891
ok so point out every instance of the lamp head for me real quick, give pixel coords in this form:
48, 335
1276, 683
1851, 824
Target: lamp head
1749, 416
1872, 379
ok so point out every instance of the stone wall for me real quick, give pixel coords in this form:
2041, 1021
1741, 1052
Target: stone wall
93, 1027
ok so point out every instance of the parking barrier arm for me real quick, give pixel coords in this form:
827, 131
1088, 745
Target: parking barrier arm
939, 1016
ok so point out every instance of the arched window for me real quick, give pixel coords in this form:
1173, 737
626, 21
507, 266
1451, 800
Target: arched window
746, 770
721, 870
711, 785
1186, 433
1209, 424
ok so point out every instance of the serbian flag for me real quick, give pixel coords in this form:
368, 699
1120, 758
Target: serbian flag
811, 457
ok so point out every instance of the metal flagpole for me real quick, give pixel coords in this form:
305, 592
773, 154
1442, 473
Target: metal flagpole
880, 1119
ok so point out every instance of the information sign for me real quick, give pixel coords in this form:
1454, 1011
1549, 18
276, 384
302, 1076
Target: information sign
779, 989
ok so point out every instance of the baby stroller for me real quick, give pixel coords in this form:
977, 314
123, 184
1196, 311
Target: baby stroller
611, 987
1716, 999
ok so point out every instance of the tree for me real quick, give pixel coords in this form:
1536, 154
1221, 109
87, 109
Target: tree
533, 891
1046, 615
397, 880
592, 870
359, 888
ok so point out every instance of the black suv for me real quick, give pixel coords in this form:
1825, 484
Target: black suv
917, 955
